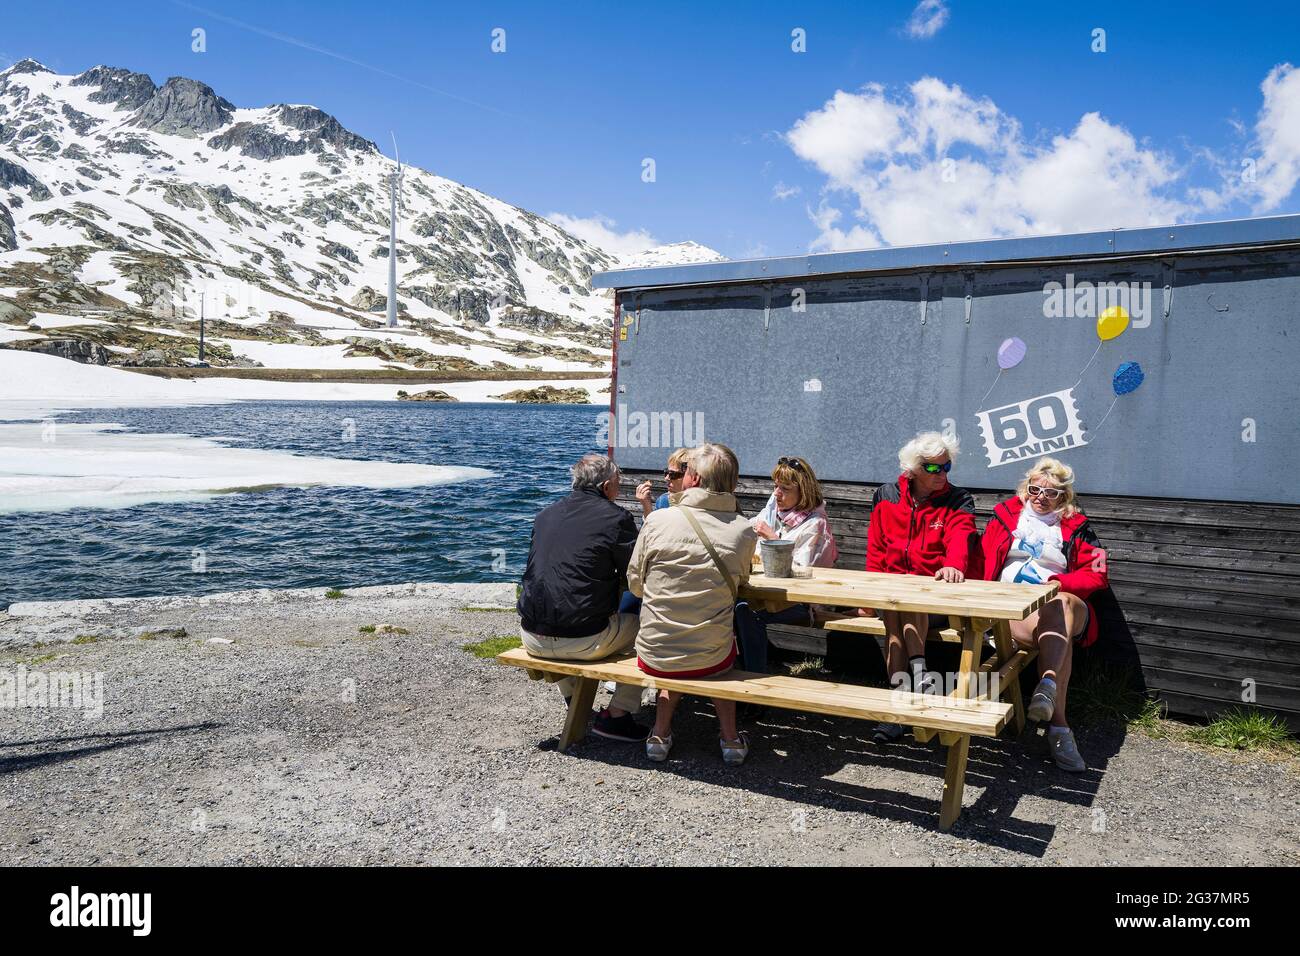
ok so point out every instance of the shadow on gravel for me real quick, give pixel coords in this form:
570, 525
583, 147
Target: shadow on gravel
128, 738
793, 755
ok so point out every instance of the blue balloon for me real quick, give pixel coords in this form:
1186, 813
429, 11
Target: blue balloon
1127, 378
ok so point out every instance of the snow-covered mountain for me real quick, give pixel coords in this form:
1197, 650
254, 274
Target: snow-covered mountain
126, 207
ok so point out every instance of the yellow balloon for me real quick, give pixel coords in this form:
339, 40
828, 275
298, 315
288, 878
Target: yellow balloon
1112, 322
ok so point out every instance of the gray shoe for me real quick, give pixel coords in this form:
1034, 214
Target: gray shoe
657, 748
735, 751
1065, 752
1043, 704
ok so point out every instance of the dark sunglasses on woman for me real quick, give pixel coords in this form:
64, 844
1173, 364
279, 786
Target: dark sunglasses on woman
794, 463
933, 468
674, 475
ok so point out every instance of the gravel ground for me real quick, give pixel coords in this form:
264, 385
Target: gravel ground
304, 741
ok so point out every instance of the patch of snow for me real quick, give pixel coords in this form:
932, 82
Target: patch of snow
56, 467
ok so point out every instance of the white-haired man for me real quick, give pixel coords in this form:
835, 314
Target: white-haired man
920, 524
568, 604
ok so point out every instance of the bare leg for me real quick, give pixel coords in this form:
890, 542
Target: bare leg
726, 717
905, 633
667, 703
1051, 629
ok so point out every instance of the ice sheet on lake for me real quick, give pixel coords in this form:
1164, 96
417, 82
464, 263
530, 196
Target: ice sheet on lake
53, 466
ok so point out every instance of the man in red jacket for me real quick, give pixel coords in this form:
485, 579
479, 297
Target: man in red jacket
923, 525
1040, 535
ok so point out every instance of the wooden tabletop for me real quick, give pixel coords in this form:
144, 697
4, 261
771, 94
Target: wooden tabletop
904, 592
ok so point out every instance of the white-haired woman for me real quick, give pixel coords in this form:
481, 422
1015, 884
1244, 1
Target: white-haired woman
1039, 535
920, 524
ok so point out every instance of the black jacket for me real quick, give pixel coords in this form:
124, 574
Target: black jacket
577, 565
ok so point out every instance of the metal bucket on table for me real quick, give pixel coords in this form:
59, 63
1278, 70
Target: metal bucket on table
778, 557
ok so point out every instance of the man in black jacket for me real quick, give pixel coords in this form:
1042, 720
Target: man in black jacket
577, 568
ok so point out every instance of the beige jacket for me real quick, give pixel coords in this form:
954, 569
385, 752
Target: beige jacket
686, 607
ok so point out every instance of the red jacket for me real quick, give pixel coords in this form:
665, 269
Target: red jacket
906, 538
1086, 561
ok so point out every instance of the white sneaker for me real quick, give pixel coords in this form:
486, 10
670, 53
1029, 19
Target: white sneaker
1043, 704
735, 751
1064, 751
610, 686
656, 748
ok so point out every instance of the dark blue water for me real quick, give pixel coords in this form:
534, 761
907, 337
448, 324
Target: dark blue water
292, 537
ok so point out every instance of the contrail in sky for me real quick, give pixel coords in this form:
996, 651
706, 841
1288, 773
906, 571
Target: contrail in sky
305, 45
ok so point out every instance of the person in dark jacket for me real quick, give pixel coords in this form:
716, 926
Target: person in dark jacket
922, 525
577, 566
1040, 535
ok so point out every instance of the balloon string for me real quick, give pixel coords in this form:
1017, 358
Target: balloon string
1093, 431
1089, 365
993, 386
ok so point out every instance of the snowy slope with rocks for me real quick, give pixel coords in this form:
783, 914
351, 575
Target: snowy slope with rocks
126, 207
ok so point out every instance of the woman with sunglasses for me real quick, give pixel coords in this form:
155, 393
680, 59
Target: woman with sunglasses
919, 524
675, 472
796, 511
1040, 535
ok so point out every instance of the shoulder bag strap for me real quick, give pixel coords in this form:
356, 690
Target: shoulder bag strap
708, 546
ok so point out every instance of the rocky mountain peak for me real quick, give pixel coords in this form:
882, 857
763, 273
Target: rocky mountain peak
128, 90
27, 65
184, 107
322, 127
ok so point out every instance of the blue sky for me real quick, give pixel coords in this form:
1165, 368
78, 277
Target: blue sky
561, 121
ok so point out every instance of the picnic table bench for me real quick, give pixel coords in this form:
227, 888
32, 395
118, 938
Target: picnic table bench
973, 607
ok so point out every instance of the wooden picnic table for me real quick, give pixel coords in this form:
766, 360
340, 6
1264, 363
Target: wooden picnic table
972, 607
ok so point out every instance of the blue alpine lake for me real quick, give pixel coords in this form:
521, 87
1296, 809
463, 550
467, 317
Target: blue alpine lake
320, 536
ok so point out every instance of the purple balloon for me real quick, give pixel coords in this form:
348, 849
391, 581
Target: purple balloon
1011, 353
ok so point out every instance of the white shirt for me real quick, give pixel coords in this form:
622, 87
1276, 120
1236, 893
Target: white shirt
1037, 551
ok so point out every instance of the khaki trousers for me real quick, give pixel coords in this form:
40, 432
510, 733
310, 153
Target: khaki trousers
618, 636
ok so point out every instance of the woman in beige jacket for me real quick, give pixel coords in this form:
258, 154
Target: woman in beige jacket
687, 602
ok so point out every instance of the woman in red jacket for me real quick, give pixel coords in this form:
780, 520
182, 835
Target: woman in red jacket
919, 525
1040, 535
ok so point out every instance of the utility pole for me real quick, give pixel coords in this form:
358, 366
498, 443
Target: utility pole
202, 316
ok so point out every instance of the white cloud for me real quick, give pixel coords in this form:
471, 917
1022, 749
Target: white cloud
600, 232
782, 191
1277, 133
927, 19
934, 164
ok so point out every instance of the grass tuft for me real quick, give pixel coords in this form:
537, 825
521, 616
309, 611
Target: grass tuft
166, 632
367, 629
1108, 694
1245, 729
810, 667
333, 594
85, 639
493, 646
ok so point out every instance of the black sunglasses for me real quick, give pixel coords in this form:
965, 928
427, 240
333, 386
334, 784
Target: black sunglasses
934, 468
674, 475
794, 463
